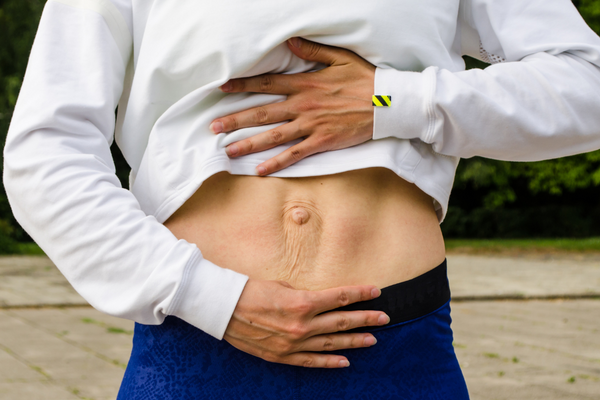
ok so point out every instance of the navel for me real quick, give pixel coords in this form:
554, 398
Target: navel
302, 227
300, 215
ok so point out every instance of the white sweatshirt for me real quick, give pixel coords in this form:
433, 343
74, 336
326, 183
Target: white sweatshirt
162, 63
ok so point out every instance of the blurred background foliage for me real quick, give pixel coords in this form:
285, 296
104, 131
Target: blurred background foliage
490, 199
547, 199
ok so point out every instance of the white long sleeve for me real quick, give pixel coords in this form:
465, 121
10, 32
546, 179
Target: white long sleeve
540, 100
110, 243
61, 183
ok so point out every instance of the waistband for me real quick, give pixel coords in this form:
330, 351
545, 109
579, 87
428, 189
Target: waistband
409, 300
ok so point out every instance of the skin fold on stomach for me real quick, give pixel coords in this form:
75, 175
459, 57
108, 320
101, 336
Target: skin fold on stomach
359, 227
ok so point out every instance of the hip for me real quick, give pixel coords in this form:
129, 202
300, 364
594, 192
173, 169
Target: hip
413, 358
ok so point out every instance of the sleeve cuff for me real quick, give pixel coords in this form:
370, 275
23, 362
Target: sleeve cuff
410, 115
209, 297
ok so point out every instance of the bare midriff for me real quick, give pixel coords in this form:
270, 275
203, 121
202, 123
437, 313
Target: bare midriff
358, 227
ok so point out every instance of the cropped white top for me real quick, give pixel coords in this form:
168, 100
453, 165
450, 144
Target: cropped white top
162, 63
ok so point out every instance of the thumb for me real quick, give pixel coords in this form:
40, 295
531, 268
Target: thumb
311, 51
286, 285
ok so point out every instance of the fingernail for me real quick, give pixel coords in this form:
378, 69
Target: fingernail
227, 86
216, 127
370, 341
296, 42
375, 292
383, 319
232, 150
261, 170
344, 363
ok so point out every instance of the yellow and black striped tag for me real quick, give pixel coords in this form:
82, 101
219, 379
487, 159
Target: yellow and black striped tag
382, 101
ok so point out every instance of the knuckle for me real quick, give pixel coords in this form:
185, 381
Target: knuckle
328, 344
296, 154
343, 298
297, 331
275, 165
306, 105
266, 83
308, 362
232, 123
287, 348
276, 137
304, 305
305, 128
365, 295
240, 85
355, 342
343, 323
312, 50
247, 146
261, 115
307, 84
324, 141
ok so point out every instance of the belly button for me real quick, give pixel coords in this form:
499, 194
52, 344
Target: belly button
300, 216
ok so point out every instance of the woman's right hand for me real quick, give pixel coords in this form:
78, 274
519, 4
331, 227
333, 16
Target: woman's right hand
278, 323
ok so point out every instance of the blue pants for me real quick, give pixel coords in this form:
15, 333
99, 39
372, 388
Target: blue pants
412, 359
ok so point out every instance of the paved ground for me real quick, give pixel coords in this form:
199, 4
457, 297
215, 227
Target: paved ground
517, 349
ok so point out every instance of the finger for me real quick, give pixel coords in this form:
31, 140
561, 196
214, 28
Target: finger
300, 359
287, 157
268, 83
321, 53
329, 299
285, 284
337, 321
263, 141
264, 115
338, 342
315, 360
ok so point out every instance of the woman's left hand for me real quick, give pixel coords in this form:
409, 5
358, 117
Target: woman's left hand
331, 108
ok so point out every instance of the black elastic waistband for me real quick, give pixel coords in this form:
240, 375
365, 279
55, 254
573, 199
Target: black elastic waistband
411, 299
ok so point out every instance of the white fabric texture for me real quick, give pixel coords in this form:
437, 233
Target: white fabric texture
540, 100
162, 63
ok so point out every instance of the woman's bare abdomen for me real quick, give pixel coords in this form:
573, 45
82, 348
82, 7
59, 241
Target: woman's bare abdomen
359, 227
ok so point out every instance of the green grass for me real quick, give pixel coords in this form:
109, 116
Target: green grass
491, 355
30, 249
24, 249
109, 329
112, 329
588, 245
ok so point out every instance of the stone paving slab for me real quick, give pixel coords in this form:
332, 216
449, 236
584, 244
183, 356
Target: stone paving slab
64, 353
517, 350
508, 349
34, 280
529, 349
34, 390
473, 277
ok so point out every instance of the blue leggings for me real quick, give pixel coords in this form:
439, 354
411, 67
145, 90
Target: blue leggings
412, 359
